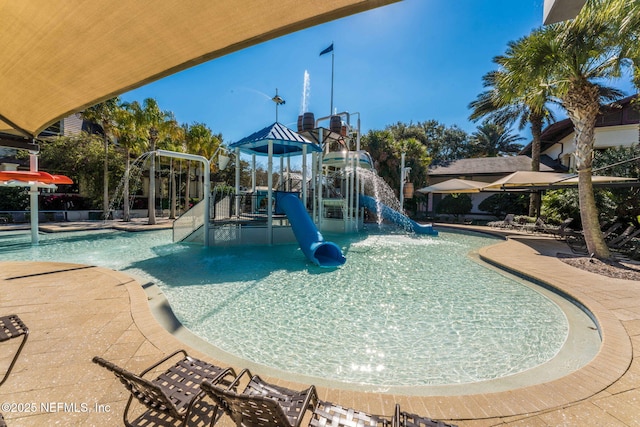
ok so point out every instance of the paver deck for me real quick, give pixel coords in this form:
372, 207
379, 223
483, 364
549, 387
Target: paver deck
76, 312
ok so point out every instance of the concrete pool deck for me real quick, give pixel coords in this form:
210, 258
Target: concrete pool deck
76, 312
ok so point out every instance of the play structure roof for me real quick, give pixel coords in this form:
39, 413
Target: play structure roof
286, 142
60, 57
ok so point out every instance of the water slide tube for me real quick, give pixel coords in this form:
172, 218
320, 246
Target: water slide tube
313, 245
395, 216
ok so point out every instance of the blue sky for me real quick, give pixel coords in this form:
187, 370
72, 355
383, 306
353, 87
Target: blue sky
414, 60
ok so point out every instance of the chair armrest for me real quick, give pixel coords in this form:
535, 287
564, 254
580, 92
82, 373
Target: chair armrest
234, 385
161, 361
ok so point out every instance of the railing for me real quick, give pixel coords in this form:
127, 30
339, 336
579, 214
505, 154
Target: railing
225, 208
188, 222
245, 208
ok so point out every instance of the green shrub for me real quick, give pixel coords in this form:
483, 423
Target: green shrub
501, 204
14, 198
455, 204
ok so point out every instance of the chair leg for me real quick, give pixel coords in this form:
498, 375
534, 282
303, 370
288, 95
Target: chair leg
126, 412
15, 358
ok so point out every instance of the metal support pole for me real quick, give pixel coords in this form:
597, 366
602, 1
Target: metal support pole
304, 176
33, 198
270, 193
402, 172
237, 204
207, 186
253, 184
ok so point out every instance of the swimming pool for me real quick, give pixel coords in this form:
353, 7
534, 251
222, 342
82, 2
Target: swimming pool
403, 311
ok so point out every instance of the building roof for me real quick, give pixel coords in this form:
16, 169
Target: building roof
493, 166
561, 10
615, 114
285, 142
62, 57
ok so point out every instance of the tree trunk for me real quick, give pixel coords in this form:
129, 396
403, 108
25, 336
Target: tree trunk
105, 195
589, 216
152, 182
172, 209
126, 214
536, 132
187, 187
583, 104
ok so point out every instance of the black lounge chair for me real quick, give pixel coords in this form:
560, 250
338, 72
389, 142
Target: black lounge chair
12, 327
174, 392
562, 231
261, 404
507, 222
327, 414
406, 419
620, 242
616, 242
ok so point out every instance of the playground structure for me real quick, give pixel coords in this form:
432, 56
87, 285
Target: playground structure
328, 196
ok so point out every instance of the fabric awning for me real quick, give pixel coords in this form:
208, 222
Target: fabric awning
533, 181
454, 185
524, 179
39, 179
60, 57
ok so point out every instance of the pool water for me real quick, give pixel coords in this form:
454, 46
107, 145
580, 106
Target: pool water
402, 311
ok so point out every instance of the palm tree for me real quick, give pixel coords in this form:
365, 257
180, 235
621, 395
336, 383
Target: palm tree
174, 141
104, 114
511, 98
575, 57
129, 140
199, 140
152, 125
493, 140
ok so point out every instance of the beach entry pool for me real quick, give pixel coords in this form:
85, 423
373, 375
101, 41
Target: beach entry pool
404, 311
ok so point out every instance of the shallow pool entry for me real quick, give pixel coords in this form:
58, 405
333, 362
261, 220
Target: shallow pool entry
403, 311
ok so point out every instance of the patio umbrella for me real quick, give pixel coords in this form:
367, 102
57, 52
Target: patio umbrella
454, 186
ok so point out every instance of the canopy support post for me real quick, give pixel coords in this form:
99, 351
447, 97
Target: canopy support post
33, 198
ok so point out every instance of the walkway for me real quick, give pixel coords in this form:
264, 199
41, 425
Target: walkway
76, 312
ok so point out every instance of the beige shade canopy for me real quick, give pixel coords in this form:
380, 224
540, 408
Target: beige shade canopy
61, 56
521, 179
596, 179
454, 185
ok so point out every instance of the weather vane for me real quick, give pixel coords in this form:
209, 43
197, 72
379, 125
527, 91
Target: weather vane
279, 101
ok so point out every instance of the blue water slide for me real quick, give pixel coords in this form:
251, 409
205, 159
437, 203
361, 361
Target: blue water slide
395, 216
313, 245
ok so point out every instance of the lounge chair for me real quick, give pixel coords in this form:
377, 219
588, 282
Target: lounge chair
12, 327
624, 241
327, 414
559, 232
175, 391
406, 419
620, 240
261, 404
609, 229
575, 239
507, 222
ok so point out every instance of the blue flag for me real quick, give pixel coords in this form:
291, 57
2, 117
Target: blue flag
327, 50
